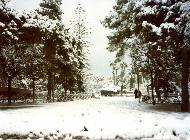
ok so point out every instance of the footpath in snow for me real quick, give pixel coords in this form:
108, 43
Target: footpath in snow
104, 118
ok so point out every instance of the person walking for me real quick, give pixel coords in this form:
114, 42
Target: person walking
136, 93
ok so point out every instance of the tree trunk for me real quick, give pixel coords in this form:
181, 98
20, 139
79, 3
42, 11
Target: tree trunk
65, 92
156, 85
152, 88
138, 81
62, 95
138, 85
184, 82
9, 88
53, 86
113, 72
116, 80
49, 85
33, 89
122, 89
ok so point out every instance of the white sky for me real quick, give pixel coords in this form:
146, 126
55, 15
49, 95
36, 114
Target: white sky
96, 10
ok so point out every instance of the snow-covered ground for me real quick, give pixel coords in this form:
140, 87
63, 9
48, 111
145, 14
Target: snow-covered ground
107, 117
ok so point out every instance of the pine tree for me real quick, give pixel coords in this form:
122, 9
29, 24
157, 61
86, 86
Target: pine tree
9, 49
184, 53
65, 64
113, 65
81, 33
51, 9
34, 68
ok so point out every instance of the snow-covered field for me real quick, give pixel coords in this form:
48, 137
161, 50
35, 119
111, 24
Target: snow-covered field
105, 118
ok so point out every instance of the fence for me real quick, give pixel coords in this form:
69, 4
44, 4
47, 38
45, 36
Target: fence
71, 97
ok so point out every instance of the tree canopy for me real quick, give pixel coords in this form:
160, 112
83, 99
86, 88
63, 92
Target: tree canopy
155, 32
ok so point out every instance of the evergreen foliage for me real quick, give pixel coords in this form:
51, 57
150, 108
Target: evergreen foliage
36, 49
155, 33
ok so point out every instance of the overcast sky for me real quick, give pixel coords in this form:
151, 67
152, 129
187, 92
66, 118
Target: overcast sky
96, 10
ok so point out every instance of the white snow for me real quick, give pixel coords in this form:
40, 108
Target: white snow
110, 87
148, 10
155, 29
104, 118
167, 26
164, 1
41, 21
2, 24
158, 30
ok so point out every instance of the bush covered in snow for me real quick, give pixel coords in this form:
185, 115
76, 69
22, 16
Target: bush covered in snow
109, 89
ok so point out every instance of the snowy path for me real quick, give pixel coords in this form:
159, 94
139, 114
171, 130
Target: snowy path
104, 118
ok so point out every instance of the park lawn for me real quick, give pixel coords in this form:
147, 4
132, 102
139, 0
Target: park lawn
104, 118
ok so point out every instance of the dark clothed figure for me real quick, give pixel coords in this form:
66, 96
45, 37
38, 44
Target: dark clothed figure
136, 93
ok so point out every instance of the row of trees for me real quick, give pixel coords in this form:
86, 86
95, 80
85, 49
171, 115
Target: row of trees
157, 35
37, 46
119, 73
